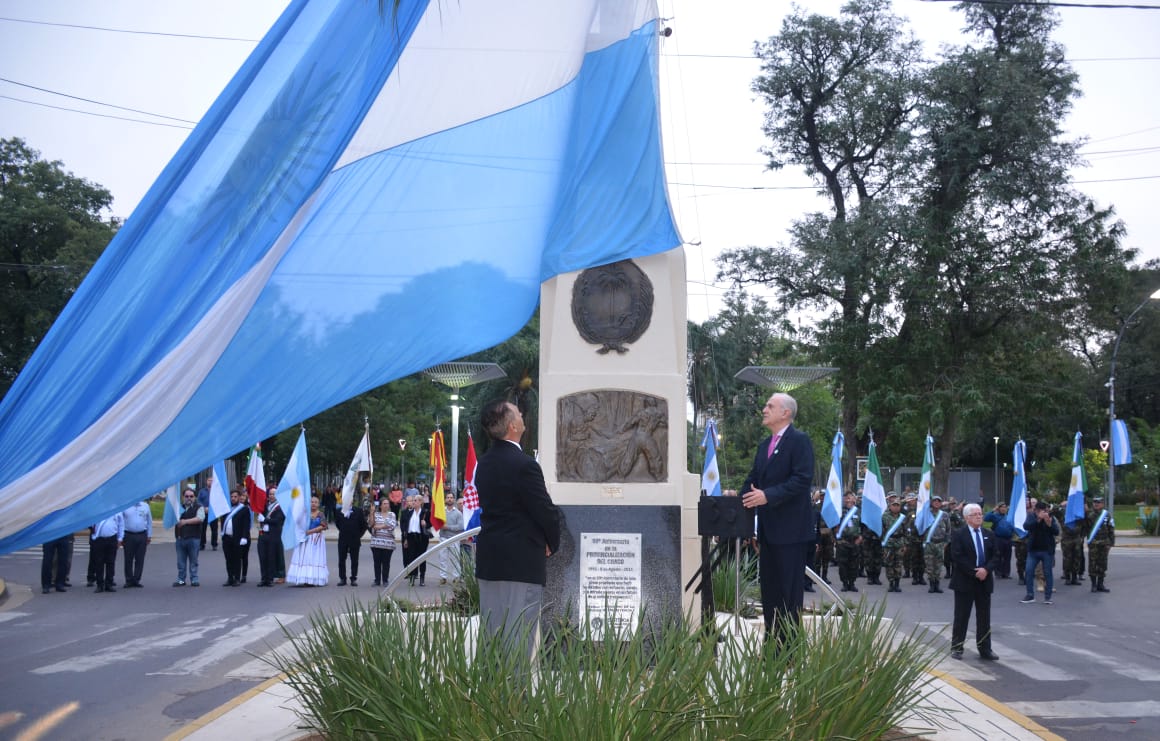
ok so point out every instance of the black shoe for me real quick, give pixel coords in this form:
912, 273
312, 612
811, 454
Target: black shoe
90, 583
342, 582
988, 656
179, 583
422, 581
110, 588
1100, 586
45, 590
809, 588
853, 588
243, 580
229, 583
934, 587
377, 583
957, 654
353, 582
930, 589
98, 590
62, 589
1093, 587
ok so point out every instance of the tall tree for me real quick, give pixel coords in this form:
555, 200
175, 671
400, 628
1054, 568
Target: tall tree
1004, 256
840, 95
52, 229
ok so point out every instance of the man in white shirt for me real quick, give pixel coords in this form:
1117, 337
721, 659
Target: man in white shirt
138, 535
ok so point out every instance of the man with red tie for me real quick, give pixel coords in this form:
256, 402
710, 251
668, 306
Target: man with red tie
778, 488
975, 557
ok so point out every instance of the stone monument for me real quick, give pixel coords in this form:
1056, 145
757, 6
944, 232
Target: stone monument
613, 368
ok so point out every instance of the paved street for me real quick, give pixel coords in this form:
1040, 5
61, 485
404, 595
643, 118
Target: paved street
142, 663
1084, 667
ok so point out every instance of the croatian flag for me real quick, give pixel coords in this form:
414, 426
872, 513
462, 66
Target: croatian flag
470, 493
832, 503
376, 155
710, 475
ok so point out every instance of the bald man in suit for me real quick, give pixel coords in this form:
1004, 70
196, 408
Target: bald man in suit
778, 488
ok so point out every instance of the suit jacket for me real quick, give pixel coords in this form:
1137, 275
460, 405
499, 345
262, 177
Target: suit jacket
517, 517
241, 526
963, 556
275, 518
785, 477
424, 523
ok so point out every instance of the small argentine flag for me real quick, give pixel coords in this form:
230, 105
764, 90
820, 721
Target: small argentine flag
710, 476
1121, 445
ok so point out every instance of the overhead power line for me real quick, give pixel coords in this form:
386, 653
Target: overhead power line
127, 30
99, 115
95, 102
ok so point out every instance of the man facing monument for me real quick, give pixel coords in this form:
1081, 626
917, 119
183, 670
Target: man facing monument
519, 529
778, 488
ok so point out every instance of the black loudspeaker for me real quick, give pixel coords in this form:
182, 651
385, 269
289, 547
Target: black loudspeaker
724, 517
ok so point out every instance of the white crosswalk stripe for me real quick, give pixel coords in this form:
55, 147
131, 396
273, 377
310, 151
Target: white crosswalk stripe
230, 644
1088, 709
137, 648
1139, 673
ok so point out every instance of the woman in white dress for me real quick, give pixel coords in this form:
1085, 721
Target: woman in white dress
308, 564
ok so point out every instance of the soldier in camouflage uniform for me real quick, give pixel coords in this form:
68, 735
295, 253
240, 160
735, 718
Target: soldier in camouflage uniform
848, 547
934, 543
914, 547
872, 554
894, 548
1099, 546
954, 513
1071, 544
825, 550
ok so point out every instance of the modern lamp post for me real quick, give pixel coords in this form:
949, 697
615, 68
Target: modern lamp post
402, 462
456, 376
1112, 397
996, 470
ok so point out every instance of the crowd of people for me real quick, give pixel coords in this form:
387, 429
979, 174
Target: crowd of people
925, 558
392, 516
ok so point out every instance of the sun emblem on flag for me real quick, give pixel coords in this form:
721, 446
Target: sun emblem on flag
926, 484
711, 475
1074, 481
295, 492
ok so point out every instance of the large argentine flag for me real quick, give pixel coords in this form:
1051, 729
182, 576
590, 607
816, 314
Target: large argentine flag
1078, 487
359, 163
1017, 511
832, 503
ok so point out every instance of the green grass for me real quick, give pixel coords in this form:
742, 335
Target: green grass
1126, 517
360, 677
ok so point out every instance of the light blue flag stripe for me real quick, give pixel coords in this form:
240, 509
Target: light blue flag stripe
1121, 443
252, 223
1099, 523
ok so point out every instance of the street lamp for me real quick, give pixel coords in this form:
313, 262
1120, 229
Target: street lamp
456, 376
996, 470
402, 463
1112, 396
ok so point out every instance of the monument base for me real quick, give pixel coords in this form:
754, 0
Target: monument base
615, 560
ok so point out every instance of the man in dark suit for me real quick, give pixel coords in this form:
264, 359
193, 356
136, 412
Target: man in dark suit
778, 488
235, 534
270, 538
975, 556
520, 528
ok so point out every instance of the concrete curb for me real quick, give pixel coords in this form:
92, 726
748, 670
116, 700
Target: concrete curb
997, 707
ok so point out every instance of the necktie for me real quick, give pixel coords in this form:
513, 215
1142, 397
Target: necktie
978, 549
773, 445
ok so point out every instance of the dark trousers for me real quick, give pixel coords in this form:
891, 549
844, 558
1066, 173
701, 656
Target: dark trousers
1003, 545
54, 562
104, 552
978, 598
782, 576
233, 553
348, 547
382, 558
212, 526
268, 548
134, 546
244, 558
415, 545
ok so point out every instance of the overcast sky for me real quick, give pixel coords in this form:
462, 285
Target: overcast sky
721, 193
